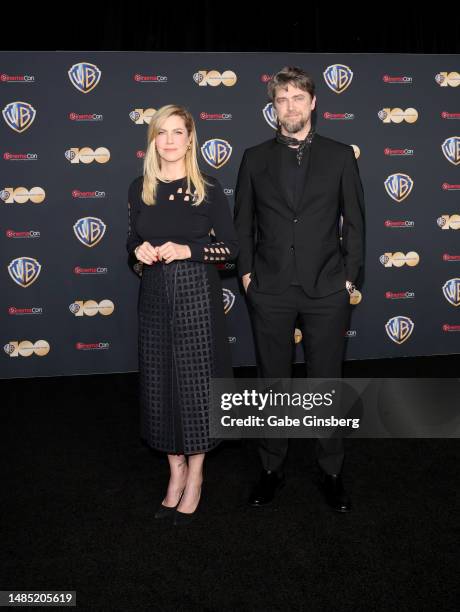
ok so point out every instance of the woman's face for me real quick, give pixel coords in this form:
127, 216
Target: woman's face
172, 139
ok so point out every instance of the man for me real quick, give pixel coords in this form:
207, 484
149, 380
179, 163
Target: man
290, 193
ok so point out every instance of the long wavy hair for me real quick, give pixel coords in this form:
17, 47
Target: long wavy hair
152, 161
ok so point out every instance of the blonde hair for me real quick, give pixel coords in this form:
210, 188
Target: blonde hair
152, 162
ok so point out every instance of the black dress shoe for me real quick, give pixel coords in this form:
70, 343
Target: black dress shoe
184, 518
334, 493
167, 511
264, 491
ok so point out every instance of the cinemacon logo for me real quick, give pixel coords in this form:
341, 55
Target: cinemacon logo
25, 234
92, 346
399, 295
150, 78
25, 348
215, 116
7, 156
85, 117
13, 310
345, 116
403, 223
401, 80
450, 328
94, 270
17, 78
387, 151
76, 193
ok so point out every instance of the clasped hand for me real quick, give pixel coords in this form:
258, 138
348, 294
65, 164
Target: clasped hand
167, 252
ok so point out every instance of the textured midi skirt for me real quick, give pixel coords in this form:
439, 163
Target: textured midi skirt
183, 342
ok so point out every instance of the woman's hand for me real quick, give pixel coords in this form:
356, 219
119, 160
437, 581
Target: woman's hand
146, 253
169, 251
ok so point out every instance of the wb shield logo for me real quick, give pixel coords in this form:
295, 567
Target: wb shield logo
451, 291
19, 116
338, 77
399, 328
229, 299
270, 115
84, 76
216, 152
24, 270
398, 186
89, 230
451, 149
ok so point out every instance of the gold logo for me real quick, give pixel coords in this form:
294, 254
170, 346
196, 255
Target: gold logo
21, 195
141, 116
215, 78
448, 79
355, 297
86, 155
446, 222
25, 348
398, 115
90, 308
398, 259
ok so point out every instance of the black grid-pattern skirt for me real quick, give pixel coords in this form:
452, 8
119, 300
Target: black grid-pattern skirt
183, 342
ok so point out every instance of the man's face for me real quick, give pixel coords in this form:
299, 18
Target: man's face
293, 107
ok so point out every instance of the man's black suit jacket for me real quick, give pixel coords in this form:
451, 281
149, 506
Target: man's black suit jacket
271, 232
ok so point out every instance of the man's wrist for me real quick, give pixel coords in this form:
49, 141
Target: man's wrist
350, 286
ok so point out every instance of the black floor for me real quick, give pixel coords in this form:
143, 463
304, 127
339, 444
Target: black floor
79, 492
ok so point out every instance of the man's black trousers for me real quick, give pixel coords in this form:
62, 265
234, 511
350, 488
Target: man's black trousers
323, 322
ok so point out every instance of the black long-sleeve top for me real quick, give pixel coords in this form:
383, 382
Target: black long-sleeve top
174, 218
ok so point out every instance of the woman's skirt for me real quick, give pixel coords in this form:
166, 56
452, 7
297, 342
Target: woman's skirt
183, 342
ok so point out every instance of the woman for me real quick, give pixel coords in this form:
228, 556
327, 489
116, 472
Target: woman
182, 335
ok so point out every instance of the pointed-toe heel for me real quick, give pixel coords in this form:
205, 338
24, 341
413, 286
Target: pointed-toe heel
167, 511
184, 518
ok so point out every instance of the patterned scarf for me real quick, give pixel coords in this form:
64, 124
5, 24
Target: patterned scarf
288, 140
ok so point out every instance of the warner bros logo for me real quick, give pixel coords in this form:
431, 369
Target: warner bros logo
24, 270
399, 328
89, 230
84, 76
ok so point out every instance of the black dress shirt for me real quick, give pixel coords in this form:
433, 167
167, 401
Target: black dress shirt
293, 178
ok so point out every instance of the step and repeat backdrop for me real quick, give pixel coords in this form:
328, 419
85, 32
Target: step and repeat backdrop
73, 136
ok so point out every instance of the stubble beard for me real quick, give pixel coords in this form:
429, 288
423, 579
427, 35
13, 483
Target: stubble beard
292, 127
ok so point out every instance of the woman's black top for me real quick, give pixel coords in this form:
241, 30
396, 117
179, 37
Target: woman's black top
174, 218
